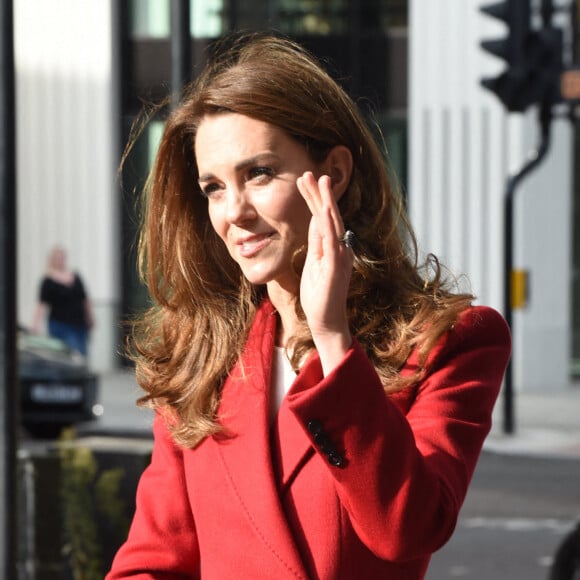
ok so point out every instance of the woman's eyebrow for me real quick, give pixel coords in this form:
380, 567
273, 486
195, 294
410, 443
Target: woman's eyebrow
205, 177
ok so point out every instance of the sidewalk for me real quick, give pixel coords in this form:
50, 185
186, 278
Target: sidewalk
545, 424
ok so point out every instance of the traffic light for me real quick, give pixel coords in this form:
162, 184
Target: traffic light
507, 86
533, 58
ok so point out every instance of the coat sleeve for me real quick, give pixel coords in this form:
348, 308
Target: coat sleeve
162, 541
403, 478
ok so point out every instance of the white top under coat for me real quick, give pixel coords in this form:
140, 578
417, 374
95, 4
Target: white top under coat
283, 376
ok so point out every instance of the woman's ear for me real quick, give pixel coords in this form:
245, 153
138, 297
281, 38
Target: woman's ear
338, 165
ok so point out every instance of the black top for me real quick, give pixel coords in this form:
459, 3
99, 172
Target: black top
67, 303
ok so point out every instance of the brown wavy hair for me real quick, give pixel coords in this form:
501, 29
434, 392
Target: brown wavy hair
185, 345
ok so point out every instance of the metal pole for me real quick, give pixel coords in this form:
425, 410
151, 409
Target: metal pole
8, 365
535, 158
180, 48
355, 28
232, 15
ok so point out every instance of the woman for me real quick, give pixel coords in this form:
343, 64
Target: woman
64, 302
321, 402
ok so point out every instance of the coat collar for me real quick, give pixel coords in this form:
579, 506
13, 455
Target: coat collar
245, 449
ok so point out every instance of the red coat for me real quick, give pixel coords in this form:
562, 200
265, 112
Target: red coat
349, 483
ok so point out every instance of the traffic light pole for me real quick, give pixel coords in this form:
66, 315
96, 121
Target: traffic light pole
545, 119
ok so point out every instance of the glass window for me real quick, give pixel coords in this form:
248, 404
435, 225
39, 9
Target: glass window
150, 18
135, 171
317, 17
207, 18
325, 17
211, 18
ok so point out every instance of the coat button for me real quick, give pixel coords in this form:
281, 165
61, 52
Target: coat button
326, 446
314, 426
336, 459
319, 438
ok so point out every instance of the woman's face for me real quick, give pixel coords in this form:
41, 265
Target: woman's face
58, 259
248, 171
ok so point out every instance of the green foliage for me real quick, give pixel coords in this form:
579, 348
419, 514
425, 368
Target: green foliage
87, 497
109, 502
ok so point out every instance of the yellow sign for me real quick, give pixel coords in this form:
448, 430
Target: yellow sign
519, 289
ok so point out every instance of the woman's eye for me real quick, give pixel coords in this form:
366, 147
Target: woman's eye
209, 189
259, 172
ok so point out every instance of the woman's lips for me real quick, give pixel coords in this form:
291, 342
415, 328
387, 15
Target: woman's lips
249, 247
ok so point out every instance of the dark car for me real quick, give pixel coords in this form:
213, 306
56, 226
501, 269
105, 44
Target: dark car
57, 389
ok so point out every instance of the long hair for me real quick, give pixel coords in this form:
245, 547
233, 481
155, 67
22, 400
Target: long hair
187, 343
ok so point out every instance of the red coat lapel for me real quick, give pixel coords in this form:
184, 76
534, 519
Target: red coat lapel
291, 447
246, 455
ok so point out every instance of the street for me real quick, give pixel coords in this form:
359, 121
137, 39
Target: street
518, 509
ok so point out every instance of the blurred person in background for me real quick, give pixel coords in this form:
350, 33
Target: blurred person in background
63, 304
321, 398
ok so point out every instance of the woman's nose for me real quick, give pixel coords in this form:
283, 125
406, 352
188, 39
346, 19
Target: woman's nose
239, 207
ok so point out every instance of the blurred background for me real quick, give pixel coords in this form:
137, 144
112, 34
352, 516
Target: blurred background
85, 69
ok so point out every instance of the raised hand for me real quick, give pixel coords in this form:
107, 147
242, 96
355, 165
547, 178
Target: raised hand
326, 274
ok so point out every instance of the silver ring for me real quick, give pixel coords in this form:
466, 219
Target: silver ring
347, 238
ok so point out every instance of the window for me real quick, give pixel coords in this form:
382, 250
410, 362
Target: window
152, 18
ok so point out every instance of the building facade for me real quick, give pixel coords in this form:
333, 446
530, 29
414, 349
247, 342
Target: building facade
86, 67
